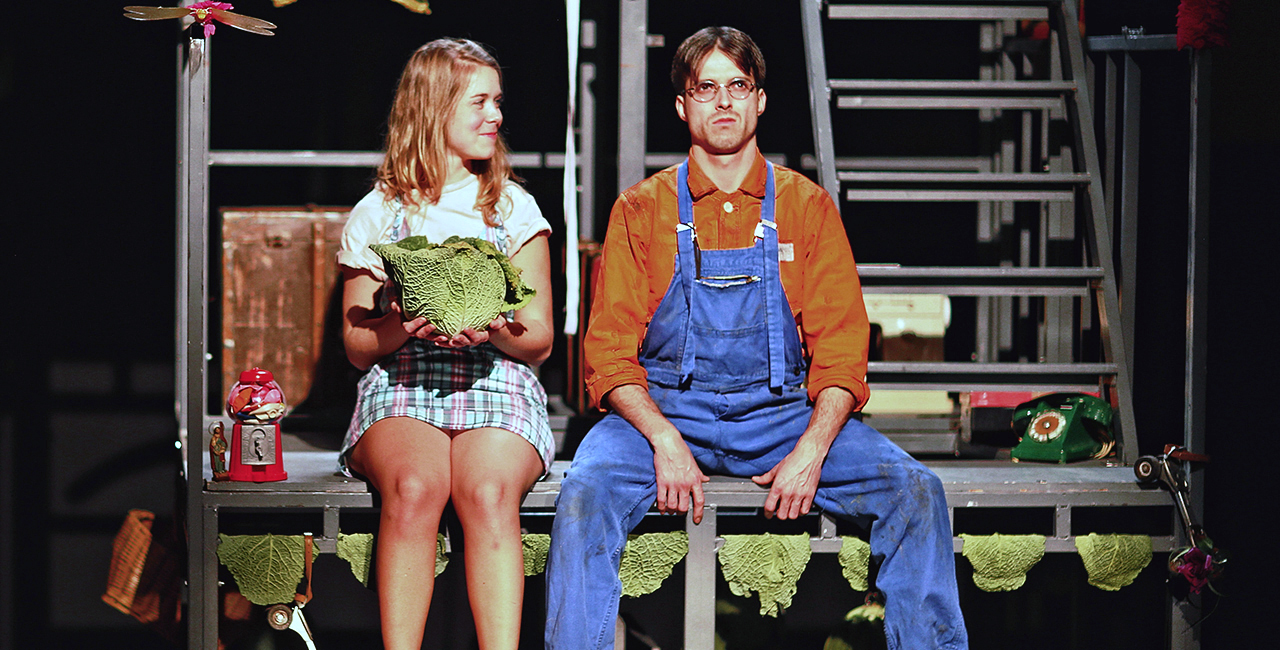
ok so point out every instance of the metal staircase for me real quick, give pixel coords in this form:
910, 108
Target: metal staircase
1033, 179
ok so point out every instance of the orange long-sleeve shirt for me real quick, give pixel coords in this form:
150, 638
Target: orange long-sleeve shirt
817, 269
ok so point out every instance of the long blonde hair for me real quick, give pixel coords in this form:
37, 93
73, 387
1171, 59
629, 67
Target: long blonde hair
417, 141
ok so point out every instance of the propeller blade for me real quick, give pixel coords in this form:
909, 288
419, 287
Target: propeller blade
155, 13
247, 23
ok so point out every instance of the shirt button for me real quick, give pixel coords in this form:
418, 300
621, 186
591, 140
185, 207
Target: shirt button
728, 207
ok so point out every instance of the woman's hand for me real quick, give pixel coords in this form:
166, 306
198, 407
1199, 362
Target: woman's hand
420, 328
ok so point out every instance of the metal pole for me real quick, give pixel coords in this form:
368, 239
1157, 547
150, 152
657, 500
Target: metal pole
192, 328
633, 36
1130, 125
587, 153
1184, 614
1197, 255
820, 97
700, 581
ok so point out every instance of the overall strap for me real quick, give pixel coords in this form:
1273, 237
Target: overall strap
399, 229
686, 242
497, 235
776, 310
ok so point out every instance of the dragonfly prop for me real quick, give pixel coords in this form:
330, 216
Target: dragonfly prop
205, 14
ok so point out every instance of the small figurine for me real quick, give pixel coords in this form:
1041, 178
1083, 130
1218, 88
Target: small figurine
218, 447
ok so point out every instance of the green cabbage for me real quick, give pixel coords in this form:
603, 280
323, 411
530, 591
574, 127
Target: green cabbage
464, 282
1113, 561
647, 560
1001, 562
855, 556
767, 564
536, 546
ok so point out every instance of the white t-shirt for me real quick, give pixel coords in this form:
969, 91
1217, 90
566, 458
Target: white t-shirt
373, 218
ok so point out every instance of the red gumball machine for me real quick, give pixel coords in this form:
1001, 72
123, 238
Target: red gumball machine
256, 403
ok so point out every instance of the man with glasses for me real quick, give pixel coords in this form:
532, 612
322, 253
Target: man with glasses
728, 336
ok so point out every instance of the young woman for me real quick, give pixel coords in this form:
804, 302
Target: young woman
437, 417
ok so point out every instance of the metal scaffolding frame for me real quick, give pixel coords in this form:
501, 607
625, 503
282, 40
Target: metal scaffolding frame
313, 487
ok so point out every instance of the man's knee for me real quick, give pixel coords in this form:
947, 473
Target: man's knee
580, 491
922, 489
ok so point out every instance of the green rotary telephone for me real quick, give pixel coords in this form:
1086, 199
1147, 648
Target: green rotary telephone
1063, 427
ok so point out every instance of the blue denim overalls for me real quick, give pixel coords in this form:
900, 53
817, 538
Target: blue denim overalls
725, 366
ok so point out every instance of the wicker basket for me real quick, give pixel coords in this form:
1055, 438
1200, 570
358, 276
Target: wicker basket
144, 579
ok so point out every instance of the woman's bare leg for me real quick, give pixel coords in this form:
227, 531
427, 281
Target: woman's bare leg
407, 461
492, 471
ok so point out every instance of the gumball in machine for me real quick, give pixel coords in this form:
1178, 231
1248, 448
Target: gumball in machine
256, 404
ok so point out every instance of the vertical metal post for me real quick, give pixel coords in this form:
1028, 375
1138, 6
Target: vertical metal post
984, 348
1113, 339
1184, 636
1130, 131
1062, 522
1109, 101
180, 245
208, 571
586, 153
1197, 254
633, 104
192, 329
8, 490
819, 97
700, 582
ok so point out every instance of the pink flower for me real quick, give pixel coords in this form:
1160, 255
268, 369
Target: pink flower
1197, 568
204, 14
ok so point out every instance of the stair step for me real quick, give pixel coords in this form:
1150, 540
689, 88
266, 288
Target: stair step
937, 12
978, 281
936, 196
1055, 105
960, 376
968, 178
904, 163
1009, 274
953, 85
977, 290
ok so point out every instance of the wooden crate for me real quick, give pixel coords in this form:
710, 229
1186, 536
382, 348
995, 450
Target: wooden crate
279, 306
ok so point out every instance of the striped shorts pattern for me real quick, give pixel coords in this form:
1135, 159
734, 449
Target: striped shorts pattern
454, 390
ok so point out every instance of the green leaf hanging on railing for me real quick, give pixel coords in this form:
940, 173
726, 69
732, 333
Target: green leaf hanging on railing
647, 560
267, 568
767, 564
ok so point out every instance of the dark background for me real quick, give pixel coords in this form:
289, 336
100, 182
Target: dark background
87, 108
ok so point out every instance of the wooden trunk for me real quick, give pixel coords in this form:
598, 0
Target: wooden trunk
279, 276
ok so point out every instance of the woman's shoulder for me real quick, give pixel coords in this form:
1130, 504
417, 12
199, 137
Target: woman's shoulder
517, 193
373, 203
518, 204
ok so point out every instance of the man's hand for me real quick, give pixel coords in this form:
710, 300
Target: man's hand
794, 482
679, 478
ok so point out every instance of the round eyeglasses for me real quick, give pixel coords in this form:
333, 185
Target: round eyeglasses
705, 91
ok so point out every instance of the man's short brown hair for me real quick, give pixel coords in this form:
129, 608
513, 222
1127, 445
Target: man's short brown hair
733, 42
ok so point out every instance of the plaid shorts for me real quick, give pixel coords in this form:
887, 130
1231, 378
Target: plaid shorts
454, 390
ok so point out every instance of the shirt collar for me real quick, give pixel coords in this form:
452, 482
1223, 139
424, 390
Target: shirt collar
754, 184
